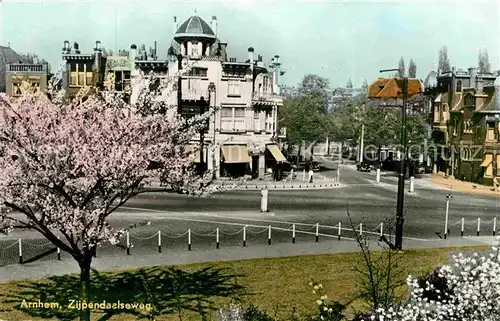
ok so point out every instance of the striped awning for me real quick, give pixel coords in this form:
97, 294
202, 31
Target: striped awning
488, 158
275, 151
235, 154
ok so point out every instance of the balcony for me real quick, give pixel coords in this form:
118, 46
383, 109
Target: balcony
194, 94
265, 97
28, 68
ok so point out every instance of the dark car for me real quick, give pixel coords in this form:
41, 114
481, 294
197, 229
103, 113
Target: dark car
364, 167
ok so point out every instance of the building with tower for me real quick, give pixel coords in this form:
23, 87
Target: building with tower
241, 138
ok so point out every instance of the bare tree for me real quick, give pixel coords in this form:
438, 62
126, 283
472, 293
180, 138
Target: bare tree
444, 62
484, 61
349, 84
401, 71
412, 69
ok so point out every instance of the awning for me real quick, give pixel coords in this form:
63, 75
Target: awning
234, 154
487, 160
275, 151
498, 162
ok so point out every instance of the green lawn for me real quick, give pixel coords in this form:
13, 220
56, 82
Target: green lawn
275, 284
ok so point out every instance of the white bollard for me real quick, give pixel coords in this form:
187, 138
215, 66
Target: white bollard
293, 233
244, 236
317, 232
446, 217
304, 176
340, 229
189, 239
412, 184
263, 203
478, 226
269, 236
378, 175
381, 229
360, 228
462, 228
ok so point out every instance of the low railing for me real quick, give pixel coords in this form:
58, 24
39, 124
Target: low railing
27, 68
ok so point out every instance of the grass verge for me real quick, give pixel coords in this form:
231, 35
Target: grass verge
277, 285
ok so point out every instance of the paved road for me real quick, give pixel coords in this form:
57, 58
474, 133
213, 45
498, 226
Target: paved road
360, 195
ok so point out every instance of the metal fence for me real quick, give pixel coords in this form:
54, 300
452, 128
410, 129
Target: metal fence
224, 234
230, 234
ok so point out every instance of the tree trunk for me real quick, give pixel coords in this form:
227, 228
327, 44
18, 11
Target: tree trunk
85, 263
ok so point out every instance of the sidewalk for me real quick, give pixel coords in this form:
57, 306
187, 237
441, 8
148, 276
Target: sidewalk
42, 269
463, 187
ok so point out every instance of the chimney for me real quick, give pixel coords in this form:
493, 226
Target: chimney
277, 59
155, 56
133, 52
250, 55
259, 58
473, 77
213, 25
97, 46
77, 48
176, 26
65, 48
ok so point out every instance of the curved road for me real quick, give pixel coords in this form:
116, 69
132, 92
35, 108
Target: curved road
360, 195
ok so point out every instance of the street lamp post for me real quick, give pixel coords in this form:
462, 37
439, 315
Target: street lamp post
403, 84
179, 84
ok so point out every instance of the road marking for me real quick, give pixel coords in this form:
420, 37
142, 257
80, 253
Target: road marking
239, 218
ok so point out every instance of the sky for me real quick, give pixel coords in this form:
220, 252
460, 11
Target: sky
338, 40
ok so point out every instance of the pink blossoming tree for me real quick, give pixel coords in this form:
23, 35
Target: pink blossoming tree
66, 167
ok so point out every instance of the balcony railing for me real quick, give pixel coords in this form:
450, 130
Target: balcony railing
265, 96
194, 94
33, 68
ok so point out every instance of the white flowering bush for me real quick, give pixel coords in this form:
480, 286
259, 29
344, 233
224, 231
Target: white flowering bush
234, 313
467, 289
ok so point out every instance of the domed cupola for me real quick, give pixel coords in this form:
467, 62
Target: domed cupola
195, 36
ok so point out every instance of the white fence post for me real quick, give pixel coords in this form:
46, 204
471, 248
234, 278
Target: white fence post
189, 239
463, 227
128, 243
360, 228
382, 229
244, 236
478, 226
446, 217
159, 241
269, 236
412, 184
378, 175
340, 229
293, 233
317, 232
494, 226
217, 237
20, 252
58, 252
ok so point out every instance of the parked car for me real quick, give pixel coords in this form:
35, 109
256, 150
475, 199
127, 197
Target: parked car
364, 167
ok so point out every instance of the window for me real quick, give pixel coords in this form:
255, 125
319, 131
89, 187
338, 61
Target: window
227, 112
239, 112
490, 131
455, 126
459, 85
256, 114
489, 169
233, 88
16, 89
194, 49
90, 78
468, 128
197, 72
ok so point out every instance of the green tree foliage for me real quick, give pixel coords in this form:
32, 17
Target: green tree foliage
484, 62
444, 62
401, 67
412, 69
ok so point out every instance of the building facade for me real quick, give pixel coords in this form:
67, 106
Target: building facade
465, 125
34, 74
241, 138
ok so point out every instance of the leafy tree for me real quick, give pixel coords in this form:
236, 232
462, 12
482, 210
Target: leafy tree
484, 62
311, 84
444, 62
304, 119
67, 166
401, 67
412, 69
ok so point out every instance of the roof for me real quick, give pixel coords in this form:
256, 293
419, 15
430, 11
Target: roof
194, 26
7, 56
388, 88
